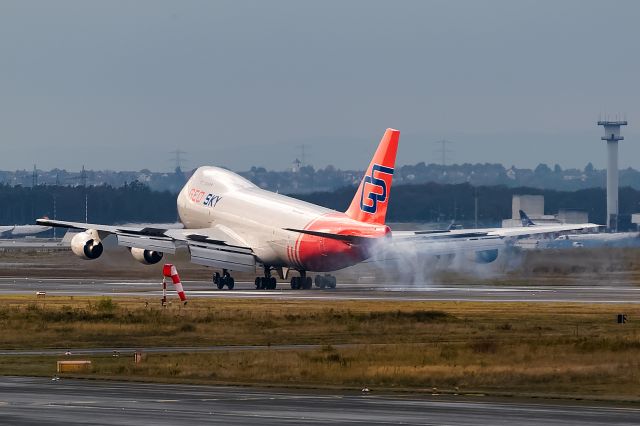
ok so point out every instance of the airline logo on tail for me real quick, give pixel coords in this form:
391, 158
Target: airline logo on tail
370, 201
375, 188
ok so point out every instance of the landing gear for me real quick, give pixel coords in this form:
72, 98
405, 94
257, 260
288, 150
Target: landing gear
223, 280
301, 282
326, 281
267, 282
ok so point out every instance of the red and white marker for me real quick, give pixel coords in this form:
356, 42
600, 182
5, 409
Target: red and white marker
170, 270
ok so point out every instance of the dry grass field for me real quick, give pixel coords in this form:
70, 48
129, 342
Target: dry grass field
568, 350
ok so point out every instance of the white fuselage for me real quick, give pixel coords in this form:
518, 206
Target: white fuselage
215, 197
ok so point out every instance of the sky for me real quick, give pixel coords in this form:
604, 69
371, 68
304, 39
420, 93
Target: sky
121, 84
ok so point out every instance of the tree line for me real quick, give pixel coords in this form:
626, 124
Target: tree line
434, 202
132, 202
427, 202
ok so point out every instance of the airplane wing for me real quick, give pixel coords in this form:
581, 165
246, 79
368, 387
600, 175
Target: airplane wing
217, 247
483, 233
527, 229
453, 241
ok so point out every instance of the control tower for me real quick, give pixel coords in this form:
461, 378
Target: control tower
612, 136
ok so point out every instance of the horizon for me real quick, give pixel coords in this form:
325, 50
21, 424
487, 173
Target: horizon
188, 170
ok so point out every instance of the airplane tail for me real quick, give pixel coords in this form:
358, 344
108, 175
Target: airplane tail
525, 219
370, 202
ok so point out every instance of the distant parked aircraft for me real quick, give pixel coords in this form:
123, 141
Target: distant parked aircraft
19, 231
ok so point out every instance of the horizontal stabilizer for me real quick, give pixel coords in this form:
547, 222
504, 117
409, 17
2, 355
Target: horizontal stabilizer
351, 239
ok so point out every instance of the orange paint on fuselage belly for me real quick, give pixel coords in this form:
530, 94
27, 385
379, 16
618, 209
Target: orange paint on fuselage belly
327, 254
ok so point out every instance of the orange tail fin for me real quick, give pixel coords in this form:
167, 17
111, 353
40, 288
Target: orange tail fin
370, 202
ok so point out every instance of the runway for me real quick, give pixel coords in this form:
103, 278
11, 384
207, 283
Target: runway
44, 401
611, 292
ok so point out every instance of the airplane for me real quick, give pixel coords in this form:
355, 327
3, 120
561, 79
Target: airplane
234, 226
17, 231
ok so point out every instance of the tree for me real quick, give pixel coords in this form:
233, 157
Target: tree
542, 169
588, 169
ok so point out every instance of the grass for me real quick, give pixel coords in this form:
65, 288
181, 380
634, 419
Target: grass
504, 368
534, 349
85, 322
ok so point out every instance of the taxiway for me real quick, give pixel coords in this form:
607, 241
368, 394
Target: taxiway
44, 401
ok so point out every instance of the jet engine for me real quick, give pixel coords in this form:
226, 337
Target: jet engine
146, 257
486, 256
87, 244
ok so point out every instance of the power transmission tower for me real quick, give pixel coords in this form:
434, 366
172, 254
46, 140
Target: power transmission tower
178, 158
443, 150
83, 177
303, 154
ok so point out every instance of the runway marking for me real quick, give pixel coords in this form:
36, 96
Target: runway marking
608, 294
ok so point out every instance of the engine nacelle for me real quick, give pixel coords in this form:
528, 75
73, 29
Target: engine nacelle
486, 256
87, 244
146, 257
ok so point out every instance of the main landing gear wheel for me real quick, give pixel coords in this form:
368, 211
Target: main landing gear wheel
302, 282
295, 283
224, 280
266, 283
217, 280
325, 281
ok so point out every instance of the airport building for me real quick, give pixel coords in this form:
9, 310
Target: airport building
533, 206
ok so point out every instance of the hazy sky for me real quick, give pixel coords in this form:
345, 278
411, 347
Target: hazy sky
120, 84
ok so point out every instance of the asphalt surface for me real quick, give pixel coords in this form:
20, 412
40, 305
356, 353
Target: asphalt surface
611, 292
26, 401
